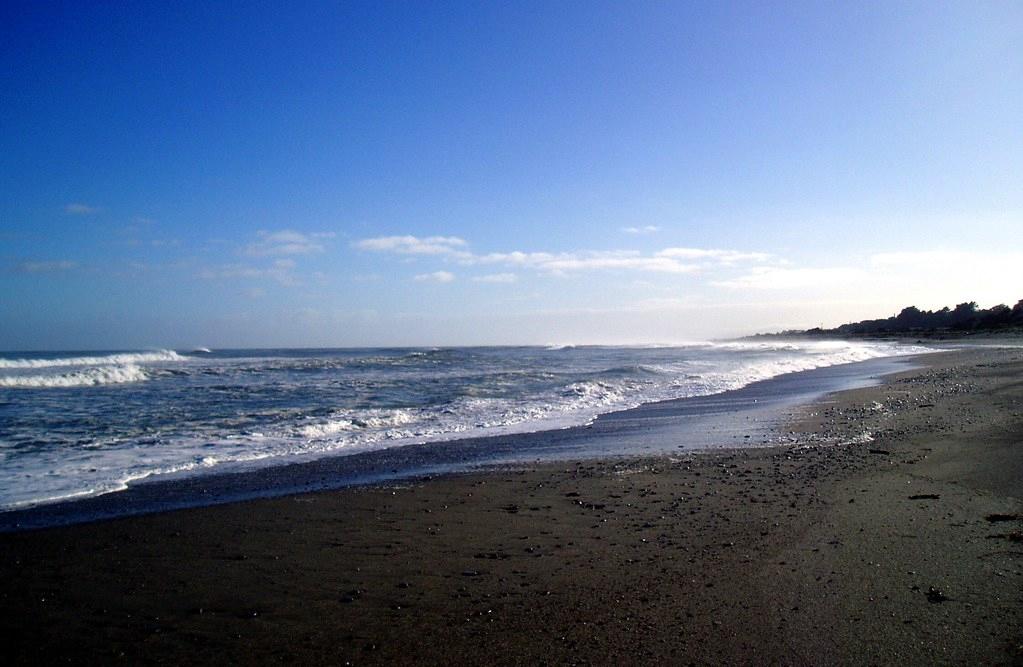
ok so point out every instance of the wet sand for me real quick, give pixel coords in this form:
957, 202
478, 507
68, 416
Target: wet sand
905, 547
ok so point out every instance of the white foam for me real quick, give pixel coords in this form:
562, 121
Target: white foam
124, 358
594, 393
83, 378
109, 479
581, 401
345, 421
586, 392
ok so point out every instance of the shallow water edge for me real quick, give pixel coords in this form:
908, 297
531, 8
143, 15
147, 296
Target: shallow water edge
746, 417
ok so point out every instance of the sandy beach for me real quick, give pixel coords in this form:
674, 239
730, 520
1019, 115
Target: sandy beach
890, 531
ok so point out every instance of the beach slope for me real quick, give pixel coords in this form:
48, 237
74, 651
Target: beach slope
889, 531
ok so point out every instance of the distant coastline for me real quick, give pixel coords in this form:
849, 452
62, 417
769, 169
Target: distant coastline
965, 320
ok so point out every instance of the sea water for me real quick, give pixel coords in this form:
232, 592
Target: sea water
83, 424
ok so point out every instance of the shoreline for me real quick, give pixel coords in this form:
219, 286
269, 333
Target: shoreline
742, 417
901, 549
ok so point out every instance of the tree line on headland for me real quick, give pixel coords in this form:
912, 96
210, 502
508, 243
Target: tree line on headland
966, 318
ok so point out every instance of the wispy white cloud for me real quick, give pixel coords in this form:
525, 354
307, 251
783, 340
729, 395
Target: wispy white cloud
497, 278
515, 258
280, 271
669, 260
714, 255
435, 277
46, 266
560, 263
647, 229
78, 208
411, 245
286, 242
625, 261
780, 278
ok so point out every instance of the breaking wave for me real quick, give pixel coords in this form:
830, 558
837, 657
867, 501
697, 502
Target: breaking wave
348, 421
231, 407
83, 378
123, 358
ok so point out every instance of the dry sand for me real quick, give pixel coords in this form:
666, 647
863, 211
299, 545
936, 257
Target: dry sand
902, 549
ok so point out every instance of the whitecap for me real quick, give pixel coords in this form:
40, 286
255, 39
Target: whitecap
83, 378
120, 358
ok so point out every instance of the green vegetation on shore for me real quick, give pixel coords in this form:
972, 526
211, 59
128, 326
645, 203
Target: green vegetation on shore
966, 318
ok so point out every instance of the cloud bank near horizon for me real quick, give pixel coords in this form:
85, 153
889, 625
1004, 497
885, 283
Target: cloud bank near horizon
671, 260
409, 289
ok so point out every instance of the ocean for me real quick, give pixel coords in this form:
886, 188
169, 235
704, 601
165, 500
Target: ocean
75, 425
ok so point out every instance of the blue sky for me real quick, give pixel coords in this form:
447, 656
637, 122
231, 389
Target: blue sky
263, 174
